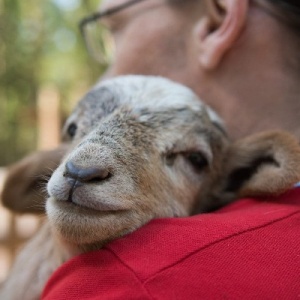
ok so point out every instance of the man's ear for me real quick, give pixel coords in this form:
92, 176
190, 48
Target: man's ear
264, 164
219, 29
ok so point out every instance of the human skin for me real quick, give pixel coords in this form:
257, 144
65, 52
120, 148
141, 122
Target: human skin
236, 55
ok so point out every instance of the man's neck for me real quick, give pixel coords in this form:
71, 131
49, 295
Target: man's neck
270, 101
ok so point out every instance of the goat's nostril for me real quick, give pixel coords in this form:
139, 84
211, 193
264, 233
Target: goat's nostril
92, 174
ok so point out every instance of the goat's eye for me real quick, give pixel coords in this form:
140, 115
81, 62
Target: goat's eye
198, 160
72, 130
170, 158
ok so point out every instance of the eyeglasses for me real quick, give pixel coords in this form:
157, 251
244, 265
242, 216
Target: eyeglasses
97, 37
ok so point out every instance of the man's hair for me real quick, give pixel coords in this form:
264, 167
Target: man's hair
289, 4
289, 11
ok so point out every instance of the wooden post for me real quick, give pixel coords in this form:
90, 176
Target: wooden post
49, 124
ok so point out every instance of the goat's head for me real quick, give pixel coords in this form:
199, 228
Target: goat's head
143, 148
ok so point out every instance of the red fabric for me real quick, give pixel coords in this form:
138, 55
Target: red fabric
247, 250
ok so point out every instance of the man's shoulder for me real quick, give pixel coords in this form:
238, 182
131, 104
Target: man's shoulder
165, 242
247, 250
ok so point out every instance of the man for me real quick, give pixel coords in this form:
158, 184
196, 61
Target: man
241, 57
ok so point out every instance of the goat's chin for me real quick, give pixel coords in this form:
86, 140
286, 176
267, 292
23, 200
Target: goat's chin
90, 229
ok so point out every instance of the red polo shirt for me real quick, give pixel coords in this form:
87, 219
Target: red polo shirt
247, 250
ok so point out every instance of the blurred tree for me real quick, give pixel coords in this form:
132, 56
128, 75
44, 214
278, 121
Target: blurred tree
40, 45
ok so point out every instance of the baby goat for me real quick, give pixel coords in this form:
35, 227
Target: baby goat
143, 148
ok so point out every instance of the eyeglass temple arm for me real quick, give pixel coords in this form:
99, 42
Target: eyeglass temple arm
98, 15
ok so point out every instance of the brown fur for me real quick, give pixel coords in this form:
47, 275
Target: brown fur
24, 186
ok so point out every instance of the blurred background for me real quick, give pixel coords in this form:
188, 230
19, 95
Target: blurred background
44, 70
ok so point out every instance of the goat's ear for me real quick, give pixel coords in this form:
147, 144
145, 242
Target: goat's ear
26, 180
263, 164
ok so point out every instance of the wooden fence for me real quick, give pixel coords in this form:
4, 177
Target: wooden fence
16, 229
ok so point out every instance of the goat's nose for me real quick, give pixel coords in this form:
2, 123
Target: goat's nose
88, 175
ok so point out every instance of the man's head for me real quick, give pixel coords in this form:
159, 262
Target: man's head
240, 56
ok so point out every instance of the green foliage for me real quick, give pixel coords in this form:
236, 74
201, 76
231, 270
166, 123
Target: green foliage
40, 45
